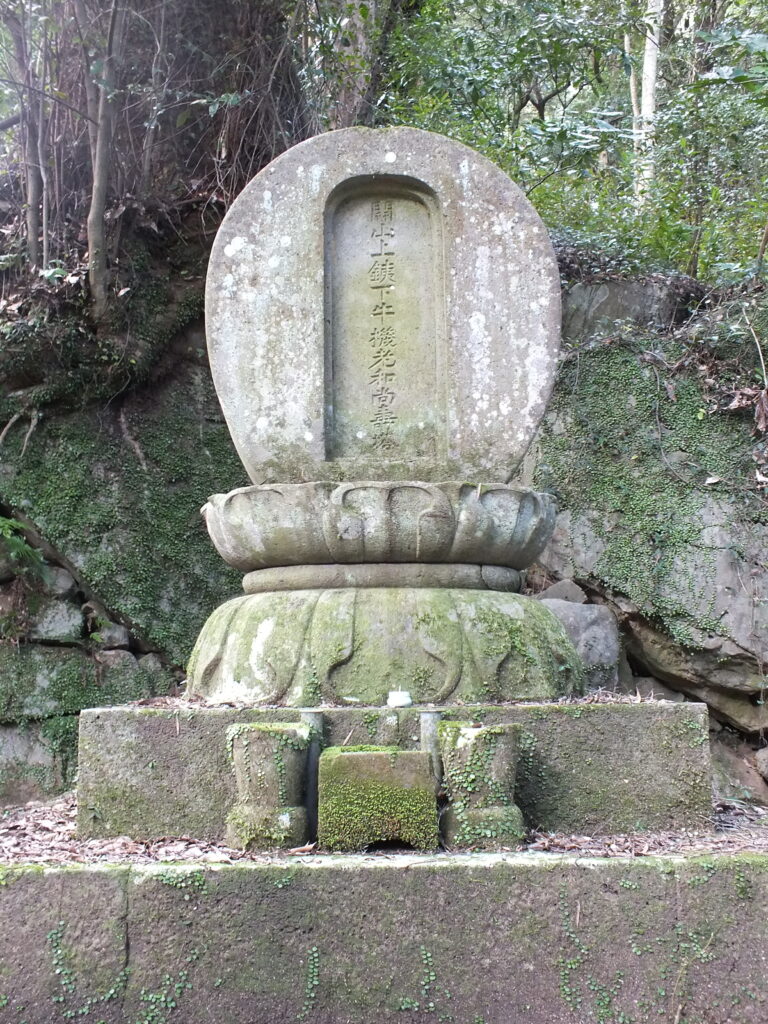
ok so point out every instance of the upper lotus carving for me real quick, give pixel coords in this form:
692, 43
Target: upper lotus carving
319, 523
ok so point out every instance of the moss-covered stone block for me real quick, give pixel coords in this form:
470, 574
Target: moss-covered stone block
609, 767
269, 762
369, 795
479, 765
605, 767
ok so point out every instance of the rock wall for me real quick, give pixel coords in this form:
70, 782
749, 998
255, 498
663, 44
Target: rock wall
660, 520
60, 653
111, 497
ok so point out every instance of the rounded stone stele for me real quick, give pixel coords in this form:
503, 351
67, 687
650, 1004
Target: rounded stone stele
382, 304
303, 648
325, 523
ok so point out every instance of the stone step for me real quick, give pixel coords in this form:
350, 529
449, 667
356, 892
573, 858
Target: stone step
490, 938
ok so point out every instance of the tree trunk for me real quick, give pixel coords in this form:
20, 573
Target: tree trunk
763, 247
645, 169
33, 184
633, 95
363, 49
91, 89
98, 271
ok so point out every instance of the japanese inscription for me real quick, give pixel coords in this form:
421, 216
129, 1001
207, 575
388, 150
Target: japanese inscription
383, 366
383, 399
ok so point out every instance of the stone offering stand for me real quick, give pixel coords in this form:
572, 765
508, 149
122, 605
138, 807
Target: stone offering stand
383, 324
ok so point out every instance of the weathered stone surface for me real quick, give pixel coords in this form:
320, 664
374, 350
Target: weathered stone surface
498, 938
306, 647
650, 688
56, 621
659, 516
408, 521
60, 582
150, 663
113, 635
479, 767
369, 795
142, 549
761, 762
37, 760
269, 762
37, 681
614, 768
563, 590
722, 670
724, 676
360, 228
610, 767
382, 574
591, 308
736, 770
151, 772
8, 566
595, 635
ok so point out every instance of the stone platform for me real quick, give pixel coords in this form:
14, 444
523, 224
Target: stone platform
150, 772
358, 940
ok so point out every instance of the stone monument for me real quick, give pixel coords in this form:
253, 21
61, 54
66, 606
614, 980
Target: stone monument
383, 321
383, 315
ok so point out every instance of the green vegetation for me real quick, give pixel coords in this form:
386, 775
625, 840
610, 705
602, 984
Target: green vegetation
360, 807
641, 468
141, 540
636, 164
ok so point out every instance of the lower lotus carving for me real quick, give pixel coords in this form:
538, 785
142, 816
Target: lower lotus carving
308, 647
325, 523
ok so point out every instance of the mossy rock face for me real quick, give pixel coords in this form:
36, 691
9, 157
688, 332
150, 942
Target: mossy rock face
37, 682
37, 759
658, 509
117, 491
307, 647
374, 794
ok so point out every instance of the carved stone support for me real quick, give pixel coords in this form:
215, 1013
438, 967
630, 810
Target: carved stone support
269, 761
303, 648
379, 521
479, 766
386, 574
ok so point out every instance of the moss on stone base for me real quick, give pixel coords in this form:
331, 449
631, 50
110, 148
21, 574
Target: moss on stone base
357, 644
257, 828
376, 795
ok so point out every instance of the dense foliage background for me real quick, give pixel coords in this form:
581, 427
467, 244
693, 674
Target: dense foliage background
638, 129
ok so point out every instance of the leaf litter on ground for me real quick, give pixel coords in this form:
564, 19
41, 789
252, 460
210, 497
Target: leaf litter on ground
45, 833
